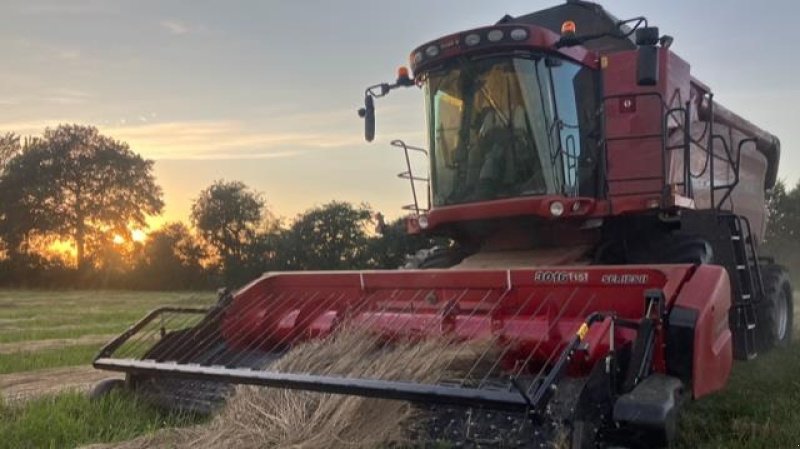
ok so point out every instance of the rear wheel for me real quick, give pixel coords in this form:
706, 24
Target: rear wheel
778, 311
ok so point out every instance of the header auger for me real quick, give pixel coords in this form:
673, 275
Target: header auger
606, 215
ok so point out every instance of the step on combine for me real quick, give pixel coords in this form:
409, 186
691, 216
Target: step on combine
605, 212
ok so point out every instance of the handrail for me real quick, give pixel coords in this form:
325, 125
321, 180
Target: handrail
409, 174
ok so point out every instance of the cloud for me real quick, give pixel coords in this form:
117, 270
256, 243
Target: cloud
65, 96
175, 27
220, 140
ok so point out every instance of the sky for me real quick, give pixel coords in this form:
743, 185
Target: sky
266, 92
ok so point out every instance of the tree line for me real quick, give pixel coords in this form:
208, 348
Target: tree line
72, 202
782, 239
75, 189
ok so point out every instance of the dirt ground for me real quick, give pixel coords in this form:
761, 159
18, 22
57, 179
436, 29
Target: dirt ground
25, 385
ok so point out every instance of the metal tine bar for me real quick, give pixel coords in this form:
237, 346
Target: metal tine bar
486, 377
130, 348
377, 315
233, 353
250, 344
497, 337
294, 299
323, 304
209, 340
507, 346
204, 343
241, 337
410, 306
136, 340
471, 314
268, 301
153, 329
557, 319
556, 351
374, 339
475, 331
182, 343
362, 303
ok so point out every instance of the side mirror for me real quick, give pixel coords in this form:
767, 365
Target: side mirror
368, 114
647, 56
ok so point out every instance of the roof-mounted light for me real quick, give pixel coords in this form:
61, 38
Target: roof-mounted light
568, 28
519, 34
472, 40
495, 35
432, 51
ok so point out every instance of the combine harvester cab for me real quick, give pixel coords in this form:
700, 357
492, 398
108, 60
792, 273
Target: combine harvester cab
606, 215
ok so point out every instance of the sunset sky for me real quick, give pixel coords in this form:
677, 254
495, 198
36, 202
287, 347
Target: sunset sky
266, 92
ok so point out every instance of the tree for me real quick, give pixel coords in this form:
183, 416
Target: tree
172, 258
782, 238
389, 249
9, 147
78, 185
228, 215
330, 237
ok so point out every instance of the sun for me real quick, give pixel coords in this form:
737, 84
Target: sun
139, 236
136, 236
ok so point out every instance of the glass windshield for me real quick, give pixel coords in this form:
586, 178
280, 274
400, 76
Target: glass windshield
508, 126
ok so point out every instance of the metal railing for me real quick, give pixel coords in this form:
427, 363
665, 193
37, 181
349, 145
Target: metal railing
413, 180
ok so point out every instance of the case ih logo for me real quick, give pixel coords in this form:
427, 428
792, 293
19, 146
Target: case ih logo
561, 277
625, 279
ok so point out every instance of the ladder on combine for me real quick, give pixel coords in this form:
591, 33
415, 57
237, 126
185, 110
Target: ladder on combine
748, 286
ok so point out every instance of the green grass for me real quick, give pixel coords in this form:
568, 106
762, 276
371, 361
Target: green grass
31, 315
760, 407
70, 419
49, 358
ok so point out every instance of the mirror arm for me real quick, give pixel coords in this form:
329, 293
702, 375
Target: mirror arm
377, 91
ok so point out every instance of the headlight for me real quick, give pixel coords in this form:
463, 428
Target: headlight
556, 208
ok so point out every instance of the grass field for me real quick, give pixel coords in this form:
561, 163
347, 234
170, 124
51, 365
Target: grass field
45, 331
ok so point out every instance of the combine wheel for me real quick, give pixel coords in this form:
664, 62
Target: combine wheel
778, 311
105, 387
660, 249
436, 257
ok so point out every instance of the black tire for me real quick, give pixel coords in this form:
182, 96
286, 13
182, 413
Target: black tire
105, 387
664, 249
436, 257
778, 310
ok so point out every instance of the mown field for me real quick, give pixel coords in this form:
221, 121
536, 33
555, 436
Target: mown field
47, 340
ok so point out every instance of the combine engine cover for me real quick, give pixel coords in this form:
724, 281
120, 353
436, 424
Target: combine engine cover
600, 330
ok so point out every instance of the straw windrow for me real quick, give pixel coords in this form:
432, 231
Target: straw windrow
257, 417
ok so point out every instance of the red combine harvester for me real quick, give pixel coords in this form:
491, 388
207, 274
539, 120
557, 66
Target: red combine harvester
606, 215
